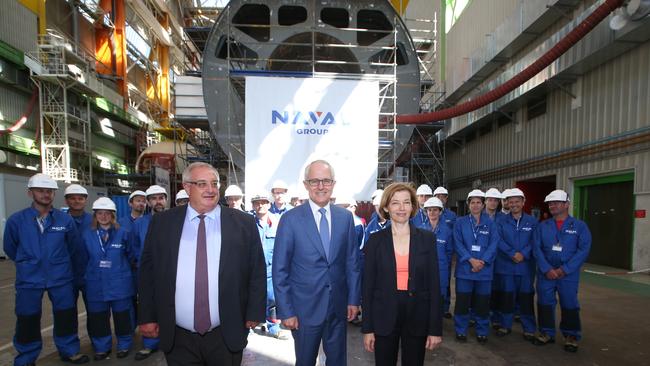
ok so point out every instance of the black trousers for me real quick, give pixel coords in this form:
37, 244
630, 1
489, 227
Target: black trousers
387, 347
204, 350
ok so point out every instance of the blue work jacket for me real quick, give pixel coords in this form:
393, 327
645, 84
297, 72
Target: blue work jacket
47, 259
516, 236
108, 272
449, 217
137, 235
267, 230
567, 248
478, 242
444, 247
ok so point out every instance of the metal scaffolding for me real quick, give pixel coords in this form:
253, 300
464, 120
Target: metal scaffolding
66, 81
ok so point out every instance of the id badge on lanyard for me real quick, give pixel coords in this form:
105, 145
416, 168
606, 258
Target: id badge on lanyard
475, 229
557, 247
104, 263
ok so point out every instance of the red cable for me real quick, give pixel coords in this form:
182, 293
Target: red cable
540, 64
22, 120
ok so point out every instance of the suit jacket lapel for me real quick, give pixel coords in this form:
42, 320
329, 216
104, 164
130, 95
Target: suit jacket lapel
413, 250
227, 221
389, 251
338, 228
311, 229
176, 232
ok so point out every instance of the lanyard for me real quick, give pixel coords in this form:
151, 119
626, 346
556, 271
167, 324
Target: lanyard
102, 243
475, 228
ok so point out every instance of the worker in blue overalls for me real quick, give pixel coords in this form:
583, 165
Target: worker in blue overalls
76, 197
444, 243
378, 222
475, 241
492, 200
109, 281
279, 191
514, 267
561, 246
448, 217
138, 203
267, 224
157, 201
42, 241
423, 193
182, 198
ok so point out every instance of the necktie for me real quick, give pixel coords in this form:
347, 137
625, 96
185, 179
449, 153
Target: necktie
202, 320
324, 232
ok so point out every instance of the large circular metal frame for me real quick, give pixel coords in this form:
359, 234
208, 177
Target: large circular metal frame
304, 38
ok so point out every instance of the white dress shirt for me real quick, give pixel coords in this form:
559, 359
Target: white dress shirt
328, 213
185, 273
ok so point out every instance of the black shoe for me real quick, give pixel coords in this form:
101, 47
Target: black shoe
530, 337
447, 315
502, 332
77, 359
472, 322
481, 339
571, 344
461, 337
144, 354
517, 318
123, 353
496, 326
543, 339
100, 356
31, 363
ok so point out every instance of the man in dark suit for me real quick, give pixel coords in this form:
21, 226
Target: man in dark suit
316, 275
202, 280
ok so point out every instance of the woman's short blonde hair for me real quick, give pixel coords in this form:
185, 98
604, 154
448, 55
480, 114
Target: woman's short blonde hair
388, 194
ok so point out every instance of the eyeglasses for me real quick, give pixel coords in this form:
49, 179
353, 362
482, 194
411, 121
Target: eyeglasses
316, 182
202, 184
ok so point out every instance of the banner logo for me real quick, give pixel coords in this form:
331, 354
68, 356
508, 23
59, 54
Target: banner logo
314, 119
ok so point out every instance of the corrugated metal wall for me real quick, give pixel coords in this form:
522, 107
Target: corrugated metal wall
614, 99
12, 106
18, 26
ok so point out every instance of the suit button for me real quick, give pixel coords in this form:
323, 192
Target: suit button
411, 294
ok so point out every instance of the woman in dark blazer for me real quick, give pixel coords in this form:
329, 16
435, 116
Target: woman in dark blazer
401, 301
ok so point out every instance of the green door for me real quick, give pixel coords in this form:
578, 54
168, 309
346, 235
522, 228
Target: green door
608, 210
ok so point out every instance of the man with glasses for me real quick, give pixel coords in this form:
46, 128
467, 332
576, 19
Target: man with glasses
316, 274
202, 277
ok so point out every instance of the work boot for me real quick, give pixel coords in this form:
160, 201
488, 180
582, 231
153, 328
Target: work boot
144, 354
571, 344
543, 339
76, 359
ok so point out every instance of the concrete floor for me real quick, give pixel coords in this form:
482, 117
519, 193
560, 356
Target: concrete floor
614, 317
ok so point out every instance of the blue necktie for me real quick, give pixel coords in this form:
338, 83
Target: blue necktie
324, 232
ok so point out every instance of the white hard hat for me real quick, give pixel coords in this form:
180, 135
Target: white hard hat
155, 189
41, 180
104, 203
557, 195
424, 190
233, 191
181, 195
280, 185
377, 200
377, 192
440, 190
493, 193
433, 202
137, 193
475, 193
75, 189
260, 197
513, 192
